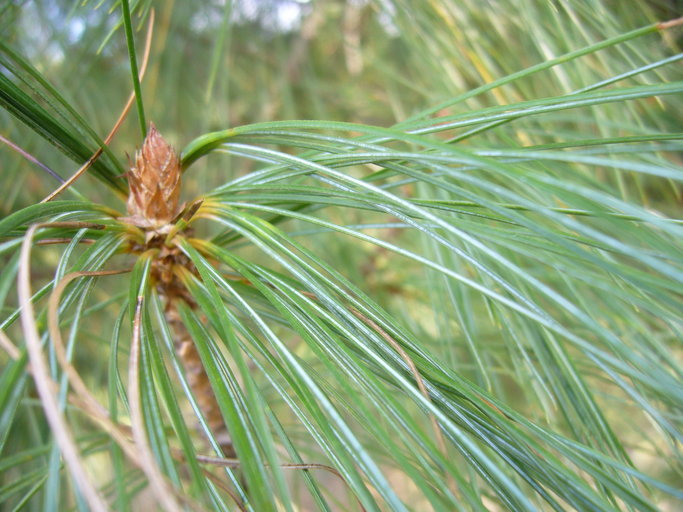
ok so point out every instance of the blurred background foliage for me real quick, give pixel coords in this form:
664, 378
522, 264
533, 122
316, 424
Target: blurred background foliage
220, 64
216, 65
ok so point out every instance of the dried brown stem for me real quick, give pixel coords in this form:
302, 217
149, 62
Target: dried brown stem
220, 483
68, 224
83, 398
72, 224
671, 23
235, 463
55, 241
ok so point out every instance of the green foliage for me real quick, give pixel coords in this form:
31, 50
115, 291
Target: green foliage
482, 230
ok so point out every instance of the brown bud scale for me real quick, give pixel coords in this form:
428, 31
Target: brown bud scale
154, 182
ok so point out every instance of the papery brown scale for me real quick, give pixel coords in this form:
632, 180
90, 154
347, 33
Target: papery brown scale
154, 182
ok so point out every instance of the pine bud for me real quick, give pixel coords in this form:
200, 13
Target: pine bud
154, 182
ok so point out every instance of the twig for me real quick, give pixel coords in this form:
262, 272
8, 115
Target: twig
45, 384
68, 224
671, 23
72, 224
53, 241
117, 125
235, 463
220, 483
